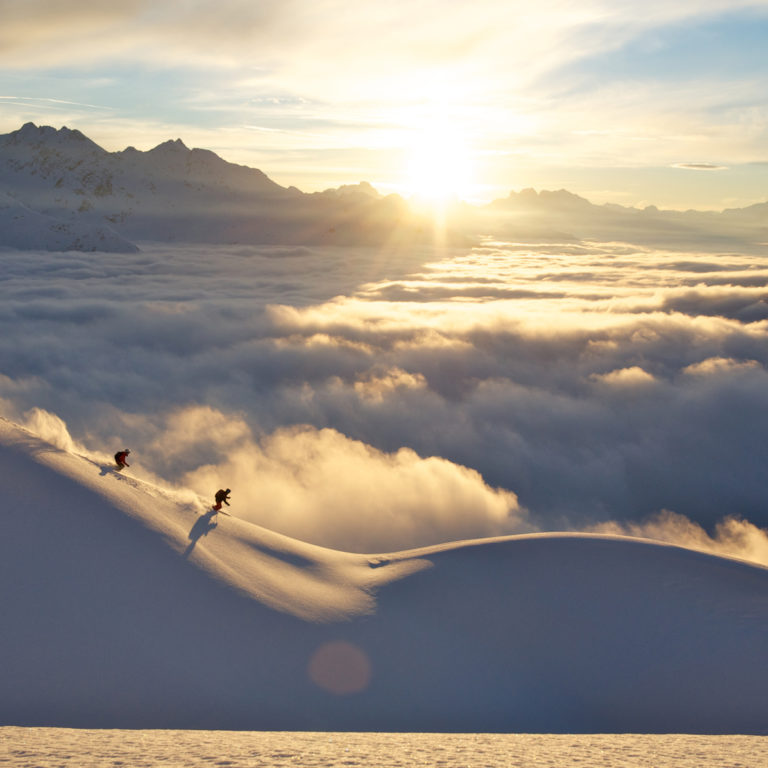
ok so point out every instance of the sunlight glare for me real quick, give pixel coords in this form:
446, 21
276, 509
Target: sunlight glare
438, 166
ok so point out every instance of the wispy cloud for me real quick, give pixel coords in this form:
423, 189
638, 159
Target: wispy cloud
701, 166
44, 103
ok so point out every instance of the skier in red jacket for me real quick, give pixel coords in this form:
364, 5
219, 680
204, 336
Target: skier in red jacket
120, 459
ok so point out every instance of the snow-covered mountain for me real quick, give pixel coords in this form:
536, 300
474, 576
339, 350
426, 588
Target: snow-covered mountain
172, 193
126, 604
562, 214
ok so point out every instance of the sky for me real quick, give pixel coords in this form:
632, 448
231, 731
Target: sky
654, 103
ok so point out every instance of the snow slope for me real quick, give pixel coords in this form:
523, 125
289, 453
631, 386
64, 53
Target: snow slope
25, 229
124, 606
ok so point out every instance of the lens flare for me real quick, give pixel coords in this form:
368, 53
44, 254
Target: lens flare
340, 667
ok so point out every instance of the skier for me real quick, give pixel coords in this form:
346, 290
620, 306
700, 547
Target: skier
120, 459
221, 496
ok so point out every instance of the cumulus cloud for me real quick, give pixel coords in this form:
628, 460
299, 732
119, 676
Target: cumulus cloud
379, 386
625, 378
321, 486
722, 366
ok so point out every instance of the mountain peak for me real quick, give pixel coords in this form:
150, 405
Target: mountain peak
172, 145
34, 135
360, 190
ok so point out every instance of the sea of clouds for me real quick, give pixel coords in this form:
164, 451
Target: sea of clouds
380, 399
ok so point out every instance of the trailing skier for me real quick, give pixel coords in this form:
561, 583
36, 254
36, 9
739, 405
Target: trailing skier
121, 459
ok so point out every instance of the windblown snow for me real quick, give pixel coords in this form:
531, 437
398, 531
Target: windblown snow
126, 604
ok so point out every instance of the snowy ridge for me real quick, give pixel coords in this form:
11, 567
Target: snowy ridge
124, 606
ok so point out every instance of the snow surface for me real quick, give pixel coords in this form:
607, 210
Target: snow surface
52, 747
26, 229
125, 604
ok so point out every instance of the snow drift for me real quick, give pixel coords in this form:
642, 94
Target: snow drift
125, 604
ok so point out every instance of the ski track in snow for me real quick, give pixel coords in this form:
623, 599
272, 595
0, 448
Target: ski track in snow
52, 747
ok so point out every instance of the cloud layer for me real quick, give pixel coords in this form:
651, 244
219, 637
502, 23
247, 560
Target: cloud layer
377, 400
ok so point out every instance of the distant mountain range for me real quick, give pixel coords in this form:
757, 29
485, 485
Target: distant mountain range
528, 213
61, 191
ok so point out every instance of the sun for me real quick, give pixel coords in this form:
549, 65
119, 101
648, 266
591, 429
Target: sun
438, 166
